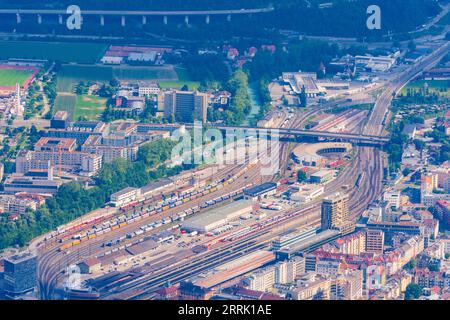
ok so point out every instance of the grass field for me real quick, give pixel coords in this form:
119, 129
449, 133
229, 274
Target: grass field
66, 103
64, 52
70, 75
10, 77
441, 87
90, 107
183, 79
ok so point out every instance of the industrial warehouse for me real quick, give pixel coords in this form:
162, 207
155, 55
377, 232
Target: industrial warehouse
218, 217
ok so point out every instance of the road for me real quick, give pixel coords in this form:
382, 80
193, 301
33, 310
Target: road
381, 108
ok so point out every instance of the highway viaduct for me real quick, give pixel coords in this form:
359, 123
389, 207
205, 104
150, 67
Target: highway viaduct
101, 14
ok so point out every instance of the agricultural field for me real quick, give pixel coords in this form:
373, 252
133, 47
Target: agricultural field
70, 75
10, 77
58, 51
441, 87
66, 102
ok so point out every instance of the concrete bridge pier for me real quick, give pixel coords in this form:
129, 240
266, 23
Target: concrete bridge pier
123, 21
229, 18
208, 19
186, 20
39, 18
18, 18
102, 21
60, 19
144, 20
165, 20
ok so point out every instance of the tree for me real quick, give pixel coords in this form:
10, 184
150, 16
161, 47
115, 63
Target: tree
301, 176
406, 171
413, 291
303, 98
419, 144
114, 82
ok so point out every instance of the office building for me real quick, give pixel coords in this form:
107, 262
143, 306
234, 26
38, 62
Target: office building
334, 212
374, 241
186, 106
20, 274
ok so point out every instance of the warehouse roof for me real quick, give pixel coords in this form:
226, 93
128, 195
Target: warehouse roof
219, 213
260, 189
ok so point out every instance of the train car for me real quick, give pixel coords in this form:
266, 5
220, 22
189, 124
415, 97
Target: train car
76, 242
359, 179
65, 246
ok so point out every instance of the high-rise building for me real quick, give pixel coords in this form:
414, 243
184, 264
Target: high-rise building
374, 241
186, 106
335, 212
429, 182
20, 273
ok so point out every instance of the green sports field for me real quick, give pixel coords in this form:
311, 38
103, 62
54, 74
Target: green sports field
58, 51
10, 77
90, 107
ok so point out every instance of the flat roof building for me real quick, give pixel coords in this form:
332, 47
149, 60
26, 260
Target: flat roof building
322, 176
125, 196
218, 217
307, 193
186, 106
20, 273
264, 189
55, 144
334, 212
293, 237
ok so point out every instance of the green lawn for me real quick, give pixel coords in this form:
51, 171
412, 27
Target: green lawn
183, 79
441, 87
59, 51
10, 77
90, 107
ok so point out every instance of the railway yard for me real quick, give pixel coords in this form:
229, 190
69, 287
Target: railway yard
163, 251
